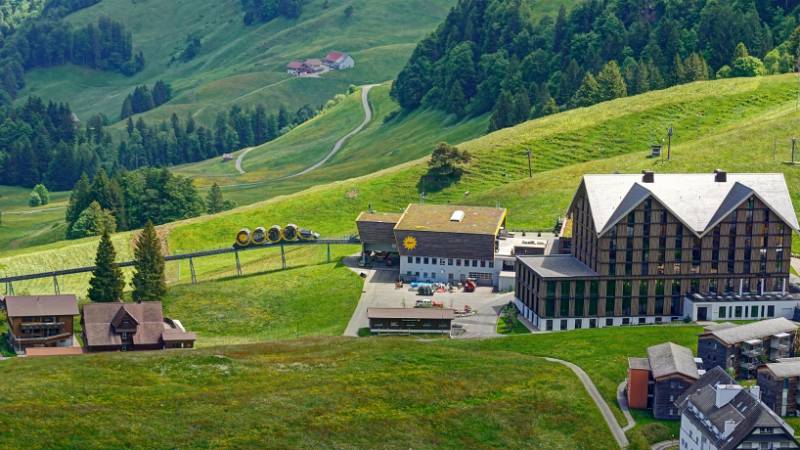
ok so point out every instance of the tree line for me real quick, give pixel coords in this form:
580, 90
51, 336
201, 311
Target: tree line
127, 200
492, 56
46, 143
261, 11
104, 45
143, 99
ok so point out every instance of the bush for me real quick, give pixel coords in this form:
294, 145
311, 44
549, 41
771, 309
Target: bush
92, 222
34, 200
747, 66
44, 194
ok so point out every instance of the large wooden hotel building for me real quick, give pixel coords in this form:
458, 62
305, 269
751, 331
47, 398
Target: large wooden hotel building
655, 248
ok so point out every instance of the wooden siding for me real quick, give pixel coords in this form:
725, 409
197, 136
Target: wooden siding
450, 245
665, 392
381, 233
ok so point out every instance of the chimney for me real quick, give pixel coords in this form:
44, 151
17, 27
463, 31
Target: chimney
720, 176
730, 425
755, 391
726, 393
648, 176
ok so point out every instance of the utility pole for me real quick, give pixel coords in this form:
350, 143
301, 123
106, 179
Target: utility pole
530, 168
669, 141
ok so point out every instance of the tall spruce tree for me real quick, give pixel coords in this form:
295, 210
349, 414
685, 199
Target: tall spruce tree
149, 282
589, 92
610, 82
107, 281
214, 201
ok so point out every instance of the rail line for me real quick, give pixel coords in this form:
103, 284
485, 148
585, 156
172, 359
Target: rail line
54, 274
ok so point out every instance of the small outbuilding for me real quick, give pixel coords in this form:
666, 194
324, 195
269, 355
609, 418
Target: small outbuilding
410, 320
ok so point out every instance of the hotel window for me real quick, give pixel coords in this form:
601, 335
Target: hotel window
474, 263
643, 298
578, 324
630, 225
779, 259
550, 298
458, 262
611, 293
626, 297
659, 309
748, 248
712, 285
694, 286
580, 286
721, 312
593, 296
483, 263
418, 259
426, 260
450, 261
410, 259
433, 261
696, 253
564, 297
491, 264
678, 251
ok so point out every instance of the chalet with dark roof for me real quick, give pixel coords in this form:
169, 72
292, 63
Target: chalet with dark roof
131, 326
718, 414
40, 320
743, 348
657, 381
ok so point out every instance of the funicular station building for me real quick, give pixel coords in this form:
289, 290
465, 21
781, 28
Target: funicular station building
655, 248
448, 243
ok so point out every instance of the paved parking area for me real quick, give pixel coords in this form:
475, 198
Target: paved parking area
380, 291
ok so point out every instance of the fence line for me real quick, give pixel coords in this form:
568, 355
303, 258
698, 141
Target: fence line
54, 274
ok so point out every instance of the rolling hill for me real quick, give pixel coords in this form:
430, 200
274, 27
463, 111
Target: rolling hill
239, 64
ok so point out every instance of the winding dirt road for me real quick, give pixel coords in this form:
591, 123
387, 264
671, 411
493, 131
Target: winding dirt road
336, 147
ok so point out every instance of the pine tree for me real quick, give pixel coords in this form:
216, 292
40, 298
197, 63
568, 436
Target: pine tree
610, 82
457, 103
503, 111
214, 201
679, 71
107, 282
149, 282
641, 81
588, 94
79, 199
127, 108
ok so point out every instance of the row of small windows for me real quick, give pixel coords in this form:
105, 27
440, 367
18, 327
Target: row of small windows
450, 261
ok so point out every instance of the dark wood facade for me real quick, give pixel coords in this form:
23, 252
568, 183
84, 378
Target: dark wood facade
665, 391
39, 331
648, 261
779, 393
451, 245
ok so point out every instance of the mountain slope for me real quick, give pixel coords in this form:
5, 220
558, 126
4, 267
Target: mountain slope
238, 64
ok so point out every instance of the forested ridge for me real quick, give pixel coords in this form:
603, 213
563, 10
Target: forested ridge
46, 143
490, 55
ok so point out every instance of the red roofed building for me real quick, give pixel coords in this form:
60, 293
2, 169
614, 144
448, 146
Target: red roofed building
339, 61
131, 326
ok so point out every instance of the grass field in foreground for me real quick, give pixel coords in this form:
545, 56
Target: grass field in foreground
315, 300
312, 393
603, 353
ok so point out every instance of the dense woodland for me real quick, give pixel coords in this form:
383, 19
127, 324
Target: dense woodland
260, 11
128, 200
47, 143
491, 55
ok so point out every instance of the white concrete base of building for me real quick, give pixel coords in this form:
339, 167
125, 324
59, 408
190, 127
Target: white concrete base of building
738, 310
575, 323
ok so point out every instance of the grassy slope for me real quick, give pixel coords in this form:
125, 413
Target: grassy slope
238, 64
608, 135
378, 146
728, 123
331, 393
23, 226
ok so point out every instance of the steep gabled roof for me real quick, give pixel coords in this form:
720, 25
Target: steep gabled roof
697, 200
670, 359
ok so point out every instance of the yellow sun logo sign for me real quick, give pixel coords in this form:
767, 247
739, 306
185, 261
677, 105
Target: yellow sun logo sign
410, 243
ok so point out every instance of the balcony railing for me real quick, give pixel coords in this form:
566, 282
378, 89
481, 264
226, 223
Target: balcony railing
42, 324
748, 365
753, 352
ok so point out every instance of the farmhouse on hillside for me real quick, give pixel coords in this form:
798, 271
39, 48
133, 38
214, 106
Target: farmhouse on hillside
131, 326
655, 248
339, 61
40, 321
